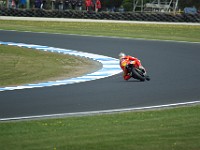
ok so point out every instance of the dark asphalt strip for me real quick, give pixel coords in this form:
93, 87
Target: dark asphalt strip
174, 68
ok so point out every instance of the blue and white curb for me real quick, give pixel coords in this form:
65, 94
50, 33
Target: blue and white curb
110, 66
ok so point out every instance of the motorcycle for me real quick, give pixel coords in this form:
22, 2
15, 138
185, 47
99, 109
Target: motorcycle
138, 73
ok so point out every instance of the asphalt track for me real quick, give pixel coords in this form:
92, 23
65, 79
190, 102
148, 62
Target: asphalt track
174, 68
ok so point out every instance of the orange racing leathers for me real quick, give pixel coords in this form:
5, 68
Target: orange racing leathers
124, 61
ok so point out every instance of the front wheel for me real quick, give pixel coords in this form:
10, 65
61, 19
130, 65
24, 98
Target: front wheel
147, 78
137, 75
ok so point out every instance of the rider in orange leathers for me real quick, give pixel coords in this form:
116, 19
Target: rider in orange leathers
125, 60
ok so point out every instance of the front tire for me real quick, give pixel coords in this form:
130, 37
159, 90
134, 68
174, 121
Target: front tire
136, 75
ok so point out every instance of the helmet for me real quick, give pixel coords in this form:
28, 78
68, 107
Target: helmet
121, 55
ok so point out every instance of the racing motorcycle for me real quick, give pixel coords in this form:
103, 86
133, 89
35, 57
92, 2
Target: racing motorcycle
138, 73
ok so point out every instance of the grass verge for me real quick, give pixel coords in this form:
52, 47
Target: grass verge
169, 129
146, 31
20, 65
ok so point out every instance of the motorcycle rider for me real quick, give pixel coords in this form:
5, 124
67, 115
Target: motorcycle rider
125, 61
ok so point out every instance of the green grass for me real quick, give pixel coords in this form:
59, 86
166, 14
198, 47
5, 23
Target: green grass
21, 65
147, 31
170, 129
